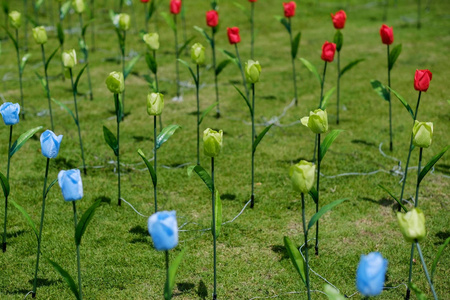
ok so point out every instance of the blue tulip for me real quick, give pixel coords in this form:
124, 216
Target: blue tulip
50, 144
371, 273
163, 229
71, 185
10, 113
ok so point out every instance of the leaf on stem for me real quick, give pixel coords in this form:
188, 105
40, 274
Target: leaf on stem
149, 167
165, 134
351, 65
27, 217
50, 57
170, 281
64, 10
151, 10
50, 186
218, 214
431, 163
222, 66
295, 44
314, 195
84, 222
24, 61
129, 67
206, 111
169, 21
338, 40
322, 211
329, 139
403, 101
231, 56
5, 185
203, 32
395, 52
67, 109
438, 255
42, 81
296, 258
285, 22
201, 172
111, 140
67, 278
326, 98
151, 82
151, 63
83, 31
190, 69
311, 68
77, 80
22, 140
246, 100
16, 45
395, 198
184, 45
260, 137
419, 294
243, 9
380, 89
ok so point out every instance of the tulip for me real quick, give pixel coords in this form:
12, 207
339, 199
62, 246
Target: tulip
15, 18
115, 83
328, 50
233, 35
212, 142
40, 35
50, 144
289, 9
412, 225
163, 229
175, 7
79, 6
155, 104
152, 40
252, 0
212, 18
370, 274
198, 54
339, 19
387, 35
71, 184
144, 1
422, 134
252, 71
69, 58
302, 176
124, 22
317, 121
10, 113
422, 80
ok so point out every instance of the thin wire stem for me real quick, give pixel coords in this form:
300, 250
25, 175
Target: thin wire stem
157, 89
86, 57
252, 23
323, 82
155, 162
416, 202
117, 104
47, 87
25, 28
167, 264
244, 81
390, 102
20, 77
306, 246
176, 55
123, 67
294, 76
318, 185
338, 85
214, 227
6, 198
426, 271
408, 291
78, 251
213, 46
197, 82
253, 144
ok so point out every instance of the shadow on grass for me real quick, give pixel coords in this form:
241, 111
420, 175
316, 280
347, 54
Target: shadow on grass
139, 230
445, 169
202, 290
43, 282
442, 236
62, 163
140, 138
227, 196
185, 286
104, 199
15, 233
280, 249
383, 201
363, 142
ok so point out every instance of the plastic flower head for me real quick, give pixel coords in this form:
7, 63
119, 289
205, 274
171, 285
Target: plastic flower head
50, 144
40, 35
233, 35
163, 229
387, 34
78, 6
212, 18
155, 104
122, 21
317, 121
412, 225
339, 19
198, 54
422, 134
252, 71
71, 184
371, 273
152, 40
328, 51
69, 58
115, 82
289, 9
15, 19
422, 80
302, 176
212, 142
144, 1
332, 293
175, 7
10, 113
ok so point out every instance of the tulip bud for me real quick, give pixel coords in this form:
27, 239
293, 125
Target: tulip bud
412, 225
163, 229
370, 274
317, 121
252, 0
422, 80
71, 184
115, 83
233, 35
212, 18
155, 104
40, 35
144, 1
302, 176
198, 54
387, 35
79, 6
10, 113
69, 58
15, 19
175, 7
122, 21
50, 144
252, 71
339, 19
152, 40
289, 9
212, 142
328, 51
422, 134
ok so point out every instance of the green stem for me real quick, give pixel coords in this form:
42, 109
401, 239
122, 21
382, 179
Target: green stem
176, 56
167, 265
78, 251
390, 103
408, 291
244, 81
117, 103
197, 83
306, 246
183, 21
317, 203
338, 85
146, 16
416, 202
426, 270
252, 203
322, 84
294, 76
6, 198
25, 28
157, 89
155, 162
22, 108
214, 227
47, 87
252, 23
92, 27
213, 46
123, 68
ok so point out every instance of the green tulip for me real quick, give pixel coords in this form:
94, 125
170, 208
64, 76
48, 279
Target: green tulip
15, 19
115, 82
69, 58
79, 6
212, 142
155, 104
317, 121
40, 35
198, 54
152, 40
412, 225
123, 21
302, 176
252, 71
423, 134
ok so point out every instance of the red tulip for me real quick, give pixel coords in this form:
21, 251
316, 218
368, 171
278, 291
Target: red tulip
144, 1
387, 34
422, 80
175, 7
212, 18
233, 35
339, 19
328, 50
289, 9
252, 0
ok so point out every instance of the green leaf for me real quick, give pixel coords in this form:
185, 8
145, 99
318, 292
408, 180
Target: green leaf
243, 9
338, 40
419, 294
42, 81
165, 134
84, 222
151, 11
151, 63
111, 15
86, 25
295, 44
130, 66
222, 66
351, 65
5, 185
431, 163
322, 211
38, 3
50, 186
64, 10
149, 167
206, 111
75, 86
184, 45
170, 281
326, 98
50, 58
24, 61
285, 22
231, 56
190, 69
111, 140
202, 174
27, 217
246, 100
395, 198
329, 139
203, 32
67, 278
380, 89
395, 52
403, 101
332, 293
22, 139
438, 255
218, 214
296, 258
314, 195
67, 109
151, 82
16, 45
311, 68
169, 21
260, 137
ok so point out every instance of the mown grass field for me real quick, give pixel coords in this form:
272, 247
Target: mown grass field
118, 260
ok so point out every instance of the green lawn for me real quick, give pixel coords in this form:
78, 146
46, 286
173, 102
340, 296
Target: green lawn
117, 257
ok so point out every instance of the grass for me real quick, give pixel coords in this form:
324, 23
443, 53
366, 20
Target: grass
117, 257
